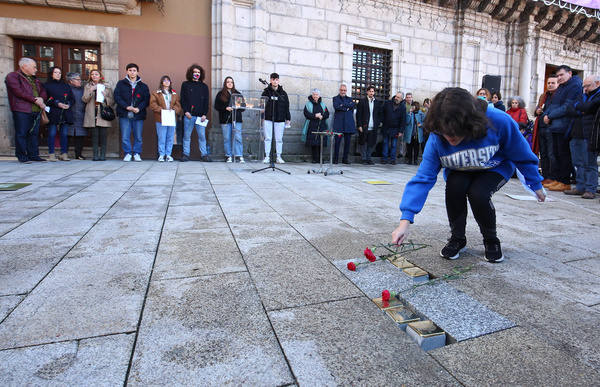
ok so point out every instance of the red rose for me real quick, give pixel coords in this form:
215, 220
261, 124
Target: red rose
385, 295
351, 266
137, 95
369, 255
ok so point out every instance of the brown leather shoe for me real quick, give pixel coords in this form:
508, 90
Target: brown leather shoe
546, 181
549, 182
589, 195
573, 192
559, 187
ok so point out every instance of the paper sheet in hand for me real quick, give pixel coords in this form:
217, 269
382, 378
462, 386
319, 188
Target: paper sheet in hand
526, 197
100, 92
200, 122
167, 117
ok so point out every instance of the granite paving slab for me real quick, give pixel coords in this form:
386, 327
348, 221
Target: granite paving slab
193, 198
132, 208
103, 186
91, 199
198, 252
529, 362
119, 236
350, 342
6, 227
81, 298
373, 278
7, 304
57, 223
458, 314
197, 329
590, 265
199, 217
99, 361
24, 262
294, 273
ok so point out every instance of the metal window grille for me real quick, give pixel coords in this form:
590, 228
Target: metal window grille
371, 66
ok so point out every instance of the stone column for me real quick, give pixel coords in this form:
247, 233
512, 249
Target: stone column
527, 37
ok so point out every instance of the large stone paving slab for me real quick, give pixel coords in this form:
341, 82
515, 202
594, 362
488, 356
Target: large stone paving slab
24, 262
207, 331
194, 253
81, 298
515, 357
295, 274
7, 304
198, 217
350, 342
99, 361
119, 236
57, 223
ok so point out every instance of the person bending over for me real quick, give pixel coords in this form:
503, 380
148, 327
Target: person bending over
479, 148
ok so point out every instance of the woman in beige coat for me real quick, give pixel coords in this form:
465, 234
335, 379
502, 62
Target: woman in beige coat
92, 119
164, 98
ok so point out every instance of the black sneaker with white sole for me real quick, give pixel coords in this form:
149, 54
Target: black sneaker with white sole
453, 248
493, 251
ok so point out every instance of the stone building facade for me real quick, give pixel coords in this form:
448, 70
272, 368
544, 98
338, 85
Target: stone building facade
433, 44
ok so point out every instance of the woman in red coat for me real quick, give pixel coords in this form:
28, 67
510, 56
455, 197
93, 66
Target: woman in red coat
519, 114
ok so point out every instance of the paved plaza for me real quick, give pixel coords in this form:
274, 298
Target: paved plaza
194, 273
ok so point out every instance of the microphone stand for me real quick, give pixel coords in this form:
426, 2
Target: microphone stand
273, 139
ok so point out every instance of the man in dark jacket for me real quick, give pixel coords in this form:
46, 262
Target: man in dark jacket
394, 121
584, 160
277, 116
343, 122
26, 97
560, 122
368, 119
194, 103
543, 136
132, 97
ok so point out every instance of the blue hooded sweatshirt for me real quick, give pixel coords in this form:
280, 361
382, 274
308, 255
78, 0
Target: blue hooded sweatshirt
501, 150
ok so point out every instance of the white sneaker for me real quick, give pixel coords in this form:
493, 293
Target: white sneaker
127, 157
229, 160
241, 160
161, 158
279, 160
136, 157
266, 160
169, 158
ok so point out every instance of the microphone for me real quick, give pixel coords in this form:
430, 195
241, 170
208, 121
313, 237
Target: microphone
262, 81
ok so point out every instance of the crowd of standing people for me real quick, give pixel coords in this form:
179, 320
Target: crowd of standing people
564, 131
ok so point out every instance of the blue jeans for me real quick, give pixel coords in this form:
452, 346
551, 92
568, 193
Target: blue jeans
238, 147
188, 127
165, 139
585, 162
389, 147
127, 124
27, 127
64, 140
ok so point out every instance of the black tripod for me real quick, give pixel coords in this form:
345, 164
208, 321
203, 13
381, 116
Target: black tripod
272, 153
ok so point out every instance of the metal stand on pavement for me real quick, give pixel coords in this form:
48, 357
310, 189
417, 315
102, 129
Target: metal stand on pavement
329, 170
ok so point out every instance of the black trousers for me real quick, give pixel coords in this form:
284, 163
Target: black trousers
99, 142
412, 151
338, 140
78, 144
478, 187
562, 155
315, 153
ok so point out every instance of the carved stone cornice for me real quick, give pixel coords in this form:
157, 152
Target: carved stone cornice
124, 7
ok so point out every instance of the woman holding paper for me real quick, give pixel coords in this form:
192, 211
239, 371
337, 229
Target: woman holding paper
223, 106
96, 93
165, 104
479, 148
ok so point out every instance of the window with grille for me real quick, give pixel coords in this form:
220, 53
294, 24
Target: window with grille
371, 67
70, 57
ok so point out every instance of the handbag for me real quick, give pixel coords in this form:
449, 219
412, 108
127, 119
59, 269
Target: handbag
43, 118
107, 113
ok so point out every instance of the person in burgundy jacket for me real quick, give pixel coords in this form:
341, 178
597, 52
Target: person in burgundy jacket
26, 96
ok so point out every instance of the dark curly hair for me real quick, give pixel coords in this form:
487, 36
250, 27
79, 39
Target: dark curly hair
190, 70
455, 112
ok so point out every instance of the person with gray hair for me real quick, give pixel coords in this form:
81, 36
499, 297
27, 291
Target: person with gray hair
26, 96
584, 143
76, 131
519, 114
316, 114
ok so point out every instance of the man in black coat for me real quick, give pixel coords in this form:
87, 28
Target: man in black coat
585, 111
394, 121
277, 117
368, 119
